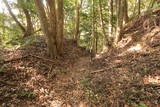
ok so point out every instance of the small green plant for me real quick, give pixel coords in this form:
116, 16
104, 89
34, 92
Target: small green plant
85, 83
89, 92
26, 95
141, 104
2, 70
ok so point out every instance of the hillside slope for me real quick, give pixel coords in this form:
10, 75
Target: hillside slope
129, 75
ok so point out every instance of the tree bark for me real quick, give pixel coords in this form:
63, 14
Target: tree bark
77, 21
107, 42
110, 26
93, 50
52, 22
60, 28
119, 20
13, 16
46, 27
151, 4
29, 29
126, 18
52, 39
139, 7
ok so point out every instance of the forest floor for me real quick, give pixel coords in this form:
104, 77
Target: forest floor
127, 76
29, 78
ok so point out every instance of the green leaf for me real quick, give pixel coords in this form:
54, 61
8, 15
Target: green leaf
141, 104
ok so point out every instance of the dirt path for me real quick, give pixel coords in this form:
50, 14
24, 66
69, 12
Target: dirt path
81, 66
71, 93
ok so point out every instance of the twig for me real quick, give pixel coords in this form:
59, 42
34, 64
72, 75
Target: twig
97, 71
51, 69
37, 31
7, 61
38, 57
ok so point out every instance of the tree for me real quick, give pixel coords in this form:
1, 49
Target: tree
139, 7
13, 16
52, 25
29, 29
119, 20
78, 4
60, 20
94, 35
91, 24
151, 4
110, 18
126, 18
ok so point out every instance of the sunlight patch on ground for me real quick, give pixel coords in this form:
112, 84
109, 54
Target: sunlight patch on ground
151, 80
98, 56
125, 41
118, 61
135, 48
55, 103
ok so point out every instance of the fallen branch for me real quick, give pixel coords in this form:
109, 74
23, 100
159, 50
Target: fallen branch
16, 59
7, 83
45, 59
147, 85
105, 69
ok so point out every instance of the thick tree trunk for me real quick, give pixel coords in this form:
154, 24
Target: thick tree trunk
52, 16
13, 16
51, 42
52, 22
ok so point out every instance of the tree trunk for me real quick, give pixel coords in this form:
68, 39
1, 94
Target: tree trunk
13, 16
139, 7
52, 22
93, 50
77, 21
126, 18
107, 42
29, 29
60, 28
119, 20
46, 27
3, 22
151, 4
110, 26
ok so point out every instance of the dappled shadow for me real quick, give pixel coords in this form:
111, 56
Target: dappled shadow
31, 78
127, 78
129, 74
